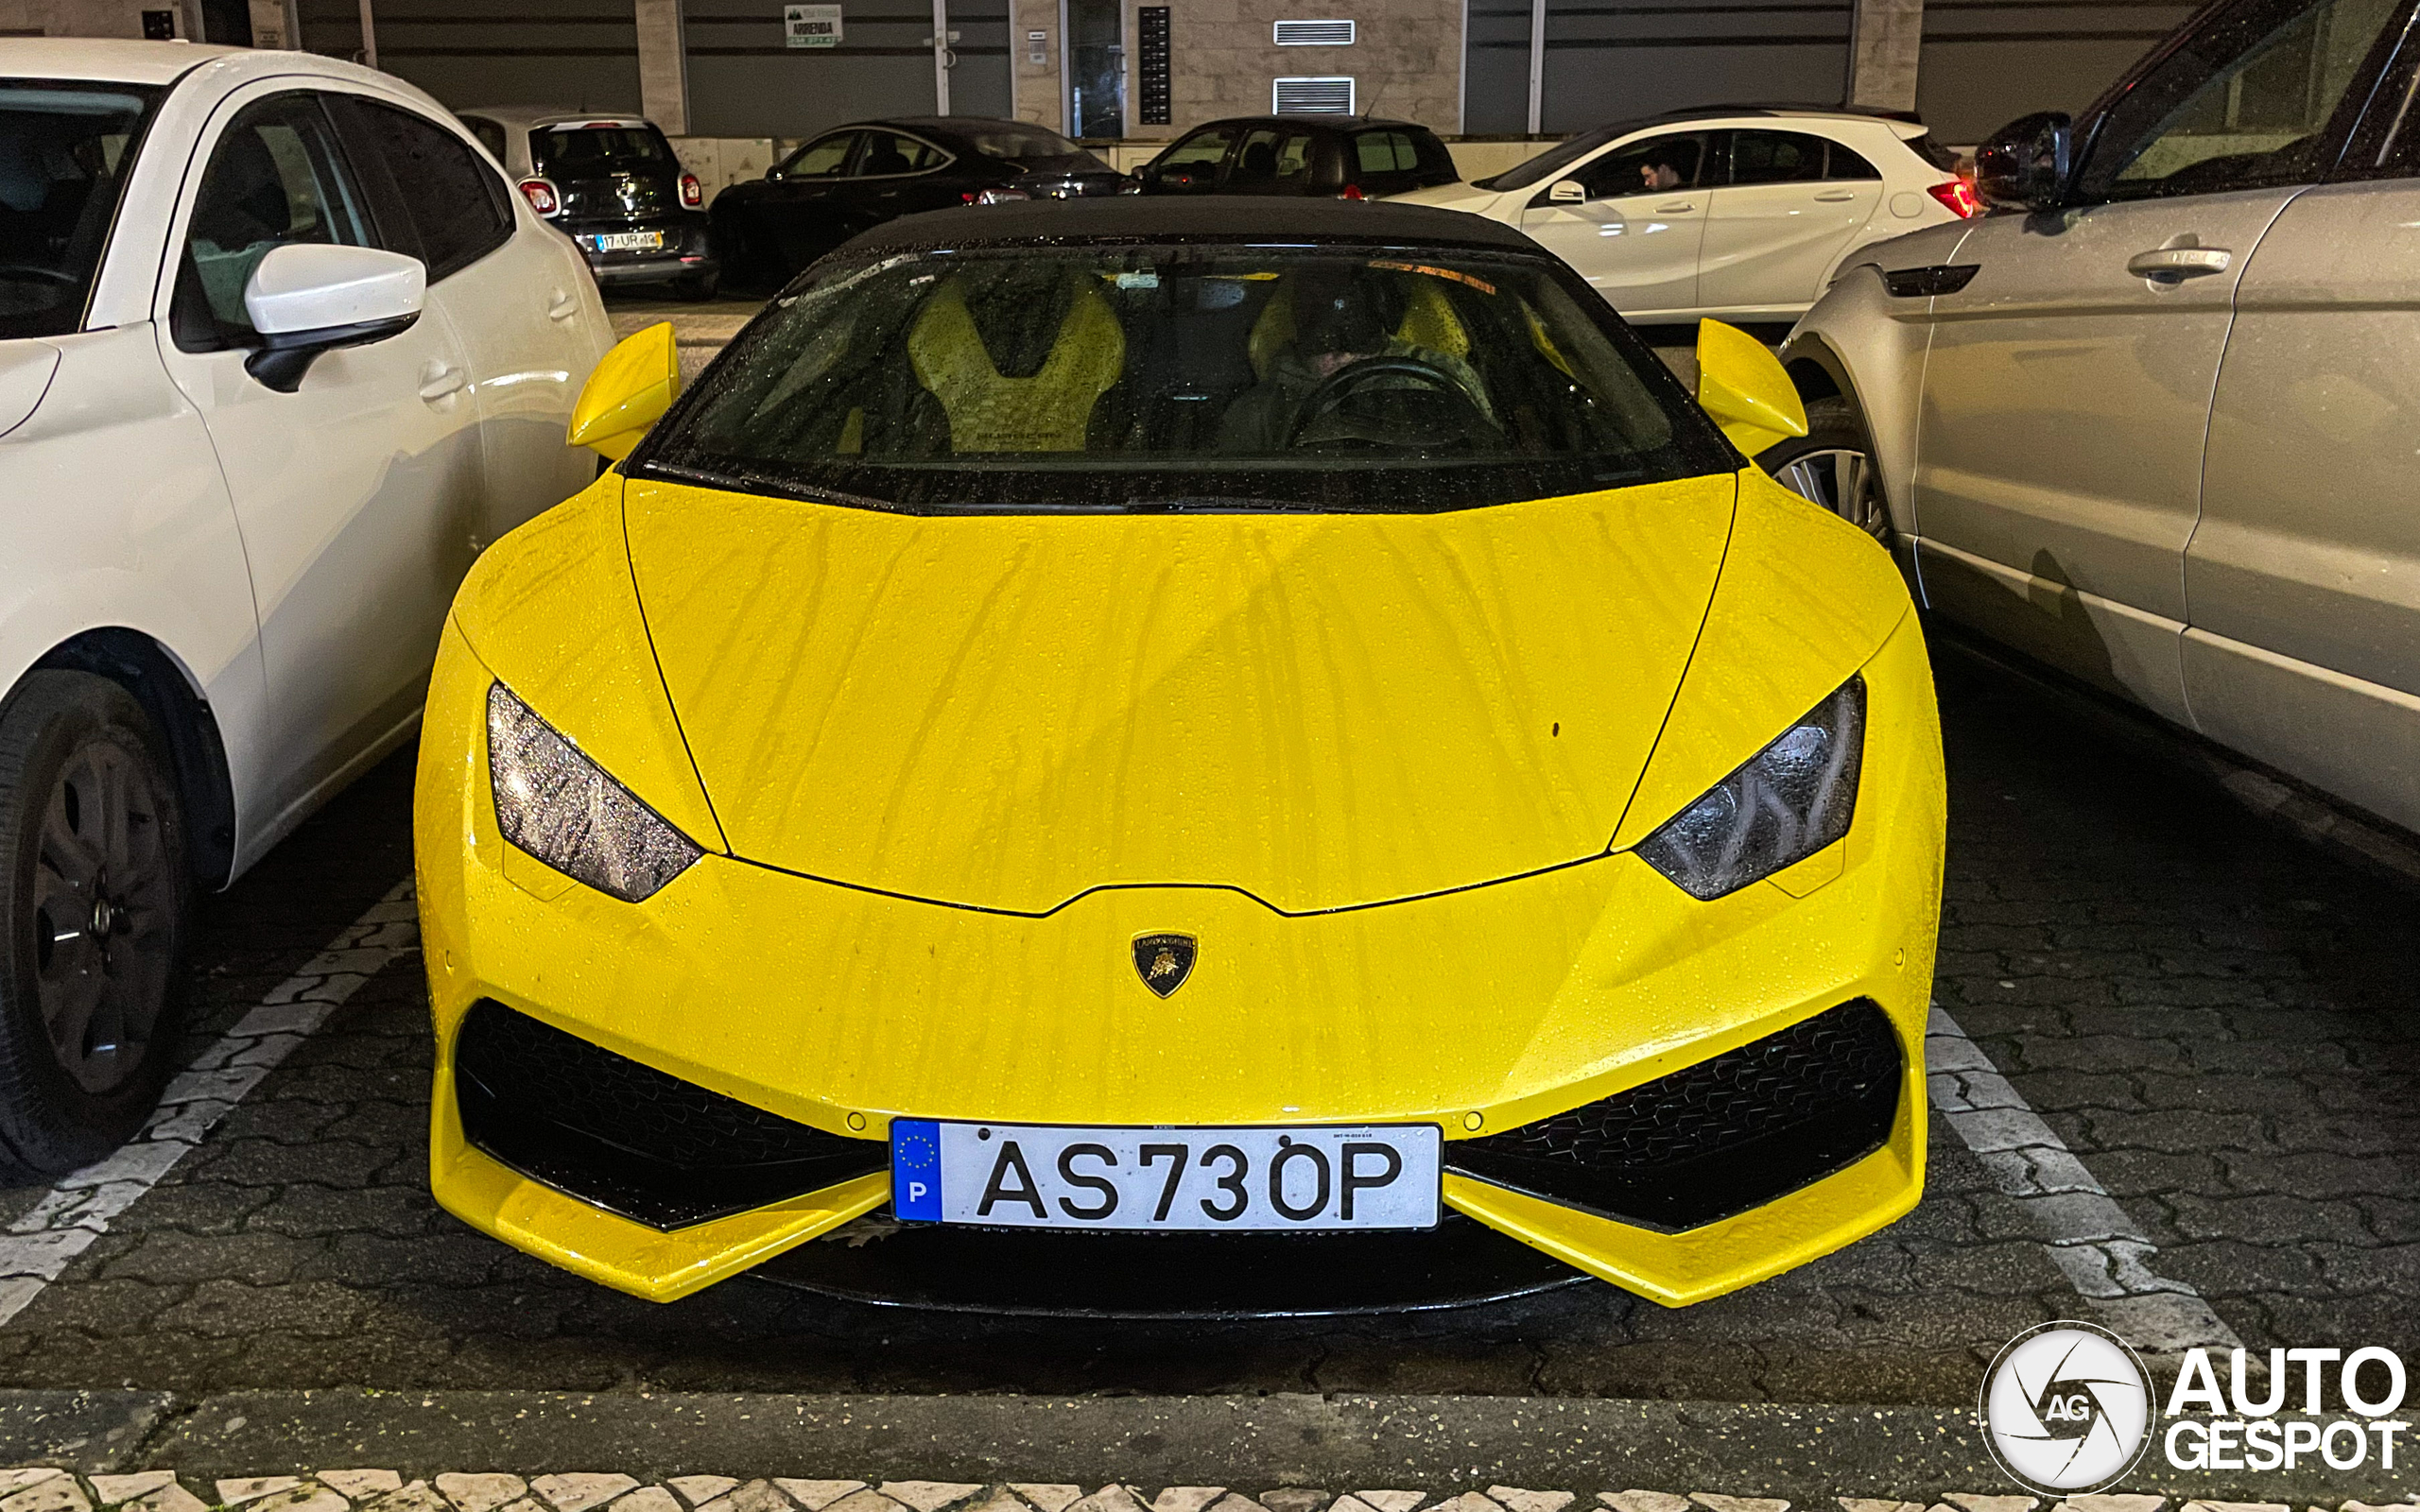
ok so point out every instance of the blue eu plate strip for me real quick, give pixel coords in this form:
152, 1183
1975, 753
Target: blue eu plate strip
916, 1169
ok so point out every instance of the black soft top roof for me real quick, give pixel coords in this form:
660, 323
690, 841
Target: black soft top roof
1188, 217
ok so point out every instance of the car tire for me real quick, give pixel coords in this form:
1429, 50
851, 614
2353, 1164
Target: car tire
1832, 465
95, 901
697, 286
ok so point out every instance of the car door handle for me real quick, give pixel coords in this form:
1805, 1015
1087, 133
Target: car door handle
1681, 208
1835, 196
438, 379
2175, 263
561, 306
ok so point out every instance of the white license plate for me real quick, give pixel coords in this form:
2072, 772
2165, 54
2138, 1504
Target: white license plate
1032, 1175
627, 241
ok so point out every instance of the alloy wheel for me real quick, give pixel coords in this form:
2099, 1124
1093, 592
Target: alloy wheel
104, 915
1842, 480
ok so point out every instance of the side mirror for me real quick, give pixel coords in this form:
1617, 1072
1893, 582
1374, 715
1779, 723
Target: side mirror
1744, 386
2024, 164
1566, 192
629, 391
774, 174
308, 297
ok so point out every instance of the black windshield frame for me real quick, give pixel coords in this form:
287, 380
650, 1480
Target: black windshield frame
96, 221
1696, 449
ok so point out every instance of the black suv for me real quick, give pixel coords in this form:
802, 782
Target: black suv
1354, 158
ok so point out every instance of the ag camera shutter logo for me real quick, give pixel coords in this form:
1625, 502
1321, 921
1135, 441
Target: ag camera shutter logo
2066, 1409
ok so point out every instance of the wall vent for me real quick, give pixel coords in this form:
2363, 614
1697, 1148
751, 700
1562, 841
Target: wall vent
1314, 34
1311, 96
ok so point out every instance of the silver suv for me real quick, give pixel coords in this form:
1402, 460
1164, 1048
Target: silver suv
2155, 420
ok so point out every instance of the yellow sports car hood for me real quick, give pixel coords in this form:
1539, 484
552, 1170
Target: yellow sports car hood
1319, 709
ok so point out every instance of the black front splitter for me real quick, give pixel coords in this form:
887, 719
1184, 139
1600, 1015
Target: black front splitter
1024, 1272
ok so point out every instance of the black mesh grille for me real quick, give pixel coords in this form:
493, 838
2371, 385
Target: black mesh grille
1715, 1138
628, 1137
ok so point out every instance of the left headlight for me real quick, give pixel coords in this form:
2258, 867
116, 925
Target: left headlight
1789, 800
562, 808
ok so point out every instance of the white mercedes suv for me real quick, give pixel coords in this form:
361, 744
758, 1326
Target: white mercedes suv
280, 350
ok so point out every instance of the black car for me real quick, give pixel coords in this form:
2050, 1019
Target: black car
1355, 158
858, 176
612, 185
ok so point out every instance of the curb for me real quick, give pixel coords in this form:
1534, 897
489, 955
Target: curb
1443, 1443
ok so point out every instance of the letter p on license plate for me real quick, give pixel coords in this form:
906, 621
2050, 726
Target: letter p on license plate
1034, 1176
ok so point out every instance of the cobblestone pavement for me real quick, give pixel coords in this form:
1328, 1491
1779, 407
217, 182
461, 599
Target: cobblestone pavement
2214, 1018
41, 1490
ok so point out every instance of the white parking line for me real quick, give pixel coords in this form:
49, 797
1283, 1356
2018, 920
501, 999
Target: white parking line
38, 1247
2103, 1253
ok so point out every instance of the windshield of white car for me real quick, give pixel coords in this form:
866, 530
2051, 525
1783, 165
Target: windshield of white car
65, 150
1554, 158
1158, 377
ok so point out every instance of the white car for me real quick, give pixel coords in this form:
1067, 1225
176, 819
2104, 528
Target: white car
279, 351
1737, 213
2151, 423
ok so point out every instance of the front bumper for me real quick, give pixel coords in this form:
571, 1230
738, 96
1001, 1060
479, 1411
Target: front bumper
1595, 978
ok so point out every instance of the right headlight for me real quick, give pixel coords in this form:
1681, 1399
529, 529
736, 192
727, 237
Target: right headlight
1789, 800
562, 808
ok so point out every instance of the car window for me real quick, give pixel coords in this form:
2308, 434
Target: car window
2246, 102
1385, 152
1003, 139
1196, 375
1205, 148
1656, 164
276, 178
1272, 156
491, 135
1840, 162
1552, 162
459, 207
1775, 157
577, 151
888, 152
822, 158
65, 151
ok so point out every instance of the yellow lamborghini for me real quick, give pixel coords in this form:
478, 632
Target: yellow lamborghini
1103, 759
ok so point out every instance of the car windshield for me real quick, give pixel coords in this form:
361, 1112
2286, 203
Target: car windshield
65, 151
1186, 377
574, 150
1554, 158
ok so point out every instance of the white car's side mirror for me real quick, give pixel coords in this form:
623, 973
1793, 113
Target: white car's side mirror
309, 298
1566, 192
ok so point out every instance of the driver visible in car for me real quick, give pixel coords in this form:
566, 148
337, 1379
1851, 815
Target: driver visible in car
1659, 173
1335, 322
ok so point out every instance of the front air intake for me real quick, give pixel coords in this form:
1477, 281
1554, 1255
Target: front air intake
1712, 1139
628, 1137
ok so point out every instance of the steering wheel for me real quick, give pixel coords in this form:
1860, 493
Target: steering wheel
1339, 388
29, 270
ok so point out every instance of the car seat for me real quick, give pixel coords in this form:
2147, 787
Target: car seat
1050, 411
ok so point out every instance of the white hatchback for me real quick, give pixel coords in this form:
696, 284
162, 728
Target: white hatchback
279, 351
1734, 213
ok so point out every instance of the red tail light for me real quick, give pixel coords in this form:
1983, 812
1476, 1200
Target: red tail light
1959, 195
693, 194
542, 196
1351, 191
